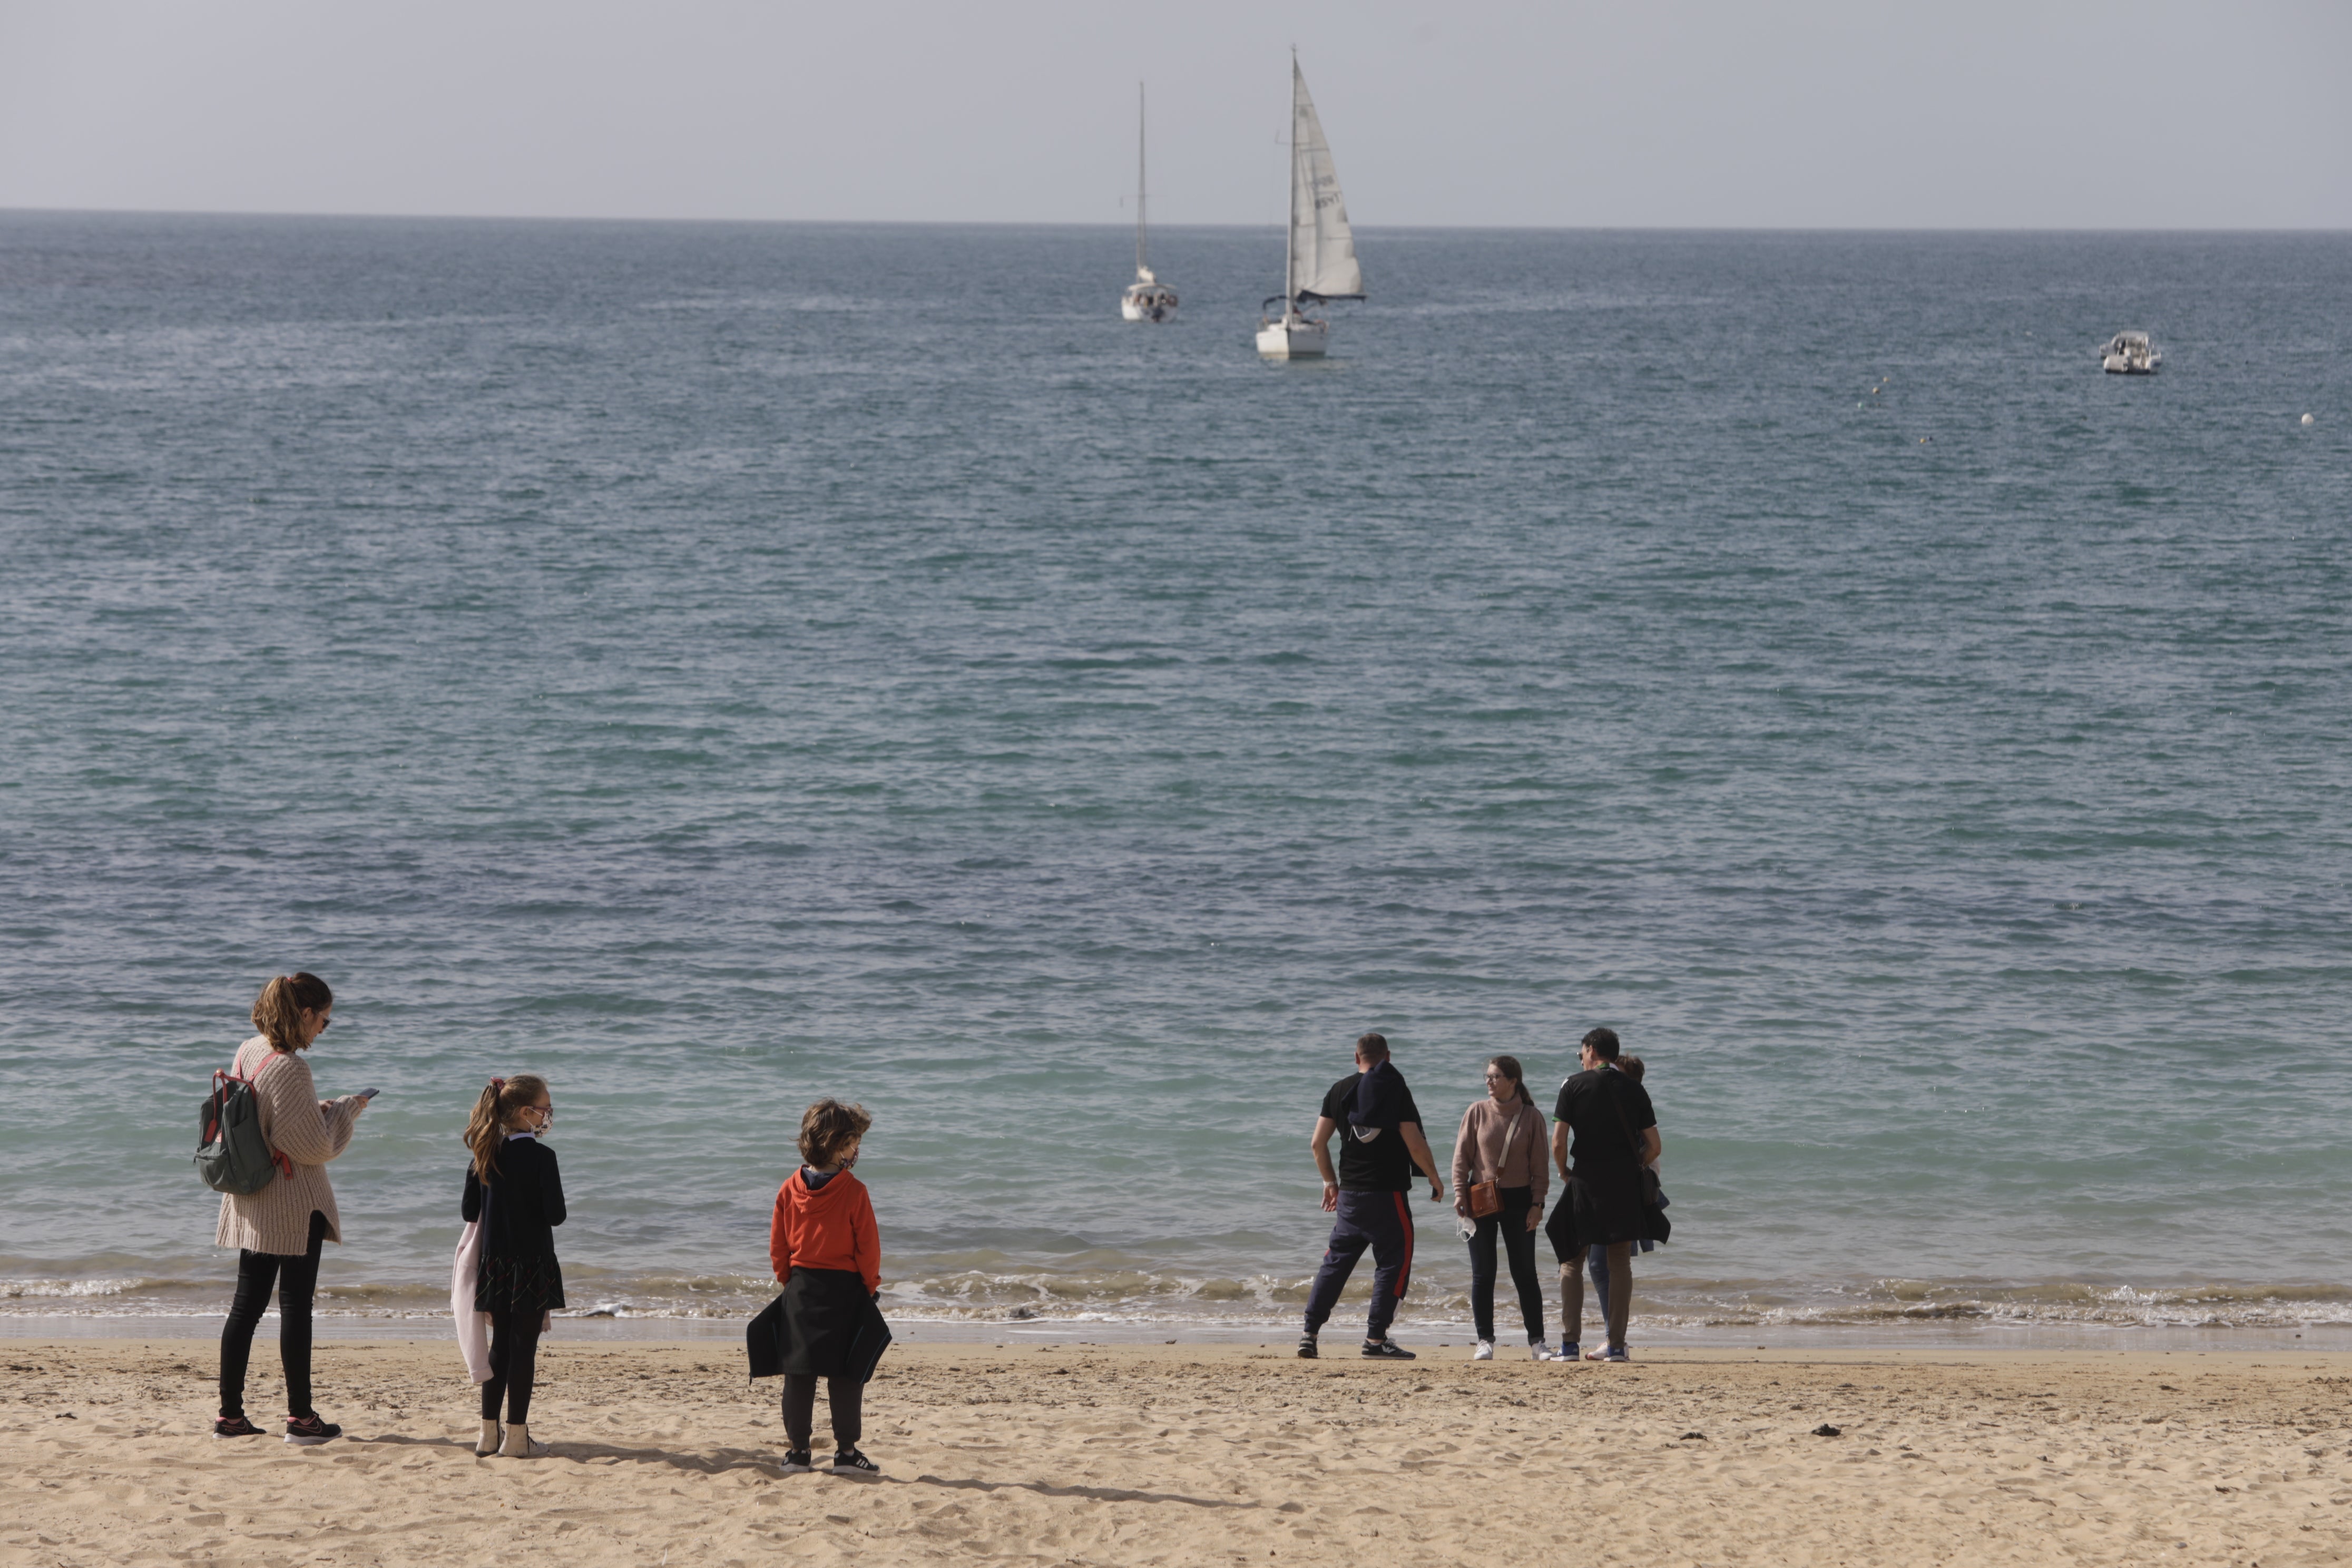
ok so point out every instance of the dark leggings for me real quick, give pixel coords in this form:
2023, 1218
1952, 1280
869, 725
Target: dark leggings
1519, 1245
296, 1275
845, 1396
514, 1364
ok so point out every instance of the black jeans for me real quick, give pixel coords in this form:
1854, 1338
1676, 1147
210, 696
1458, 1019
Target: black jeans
1520, 1246
845, 1396
514, 1364
297, 1279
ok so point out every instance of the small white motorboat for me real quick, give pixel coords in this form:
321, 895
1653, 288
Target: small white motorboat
1319, 262
1147, 298
2130, 353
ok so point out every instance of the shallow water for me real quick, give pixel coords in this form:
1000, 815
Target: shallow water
720, 665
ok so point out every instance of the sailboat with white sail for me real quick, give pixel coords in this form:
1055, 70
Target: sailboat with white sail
1147, 298
1319, 260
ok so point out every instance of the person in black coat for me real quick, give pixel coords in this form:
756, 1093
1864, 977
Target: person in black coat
514, 1189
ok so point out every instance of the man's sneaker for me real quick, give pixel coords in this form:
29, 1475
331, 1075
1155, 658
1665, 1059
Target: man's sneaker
1306, 1350
308, 1431
1569, 1350
1538, 1351
1485, 1351
1614, 1352
234, 1426
854, 1463
797, 1462
1386, 1350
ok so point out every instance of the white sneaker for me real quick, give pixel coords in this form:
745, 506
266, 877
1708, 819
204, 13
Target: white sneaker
1538, 1351
1485, 1351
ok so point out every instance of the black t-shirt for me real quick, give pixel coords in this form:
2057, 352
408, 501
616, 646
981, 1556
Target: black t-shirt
1380, 1164
1590, 1102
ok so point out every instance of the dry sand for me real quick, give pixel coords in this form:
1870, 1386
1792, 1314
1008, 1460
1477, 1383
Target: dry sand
1186, 1453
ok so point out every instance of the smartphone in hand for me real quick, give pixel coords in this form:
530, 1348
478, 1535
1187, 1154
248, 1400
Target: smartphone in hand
370, 1093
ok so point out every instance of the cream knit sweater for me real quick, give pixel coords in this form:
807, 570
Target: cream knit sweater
307, 1130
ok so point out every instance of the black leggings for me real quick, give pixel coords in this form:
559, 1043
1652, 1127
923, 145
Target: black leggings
514, 1364
846, 1395
1520, 1246
297, 1279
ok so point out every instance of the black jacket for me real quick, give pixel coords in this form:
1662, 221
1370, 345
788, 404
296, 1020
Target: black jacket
525, 1202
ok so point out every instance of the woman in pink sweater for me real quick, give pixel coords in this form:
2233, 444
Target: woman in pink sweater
1502, 1143
278, 1230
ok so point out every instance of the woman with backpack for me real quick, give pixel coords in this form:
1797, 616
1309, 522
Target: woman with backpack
1499, 1183
514, 1190
277, 1230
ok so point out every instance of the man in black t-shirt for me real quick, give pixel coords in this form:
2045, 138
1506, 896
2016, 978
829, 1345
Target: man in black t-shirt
1379, 1128
1615, 1132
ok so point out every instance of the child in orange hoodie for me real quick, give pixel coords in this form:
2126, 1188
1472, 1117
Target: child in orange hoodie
828, 1256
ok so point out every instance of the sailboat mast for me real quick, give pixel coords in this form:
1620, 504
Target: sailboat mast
1290, 223
1138, 179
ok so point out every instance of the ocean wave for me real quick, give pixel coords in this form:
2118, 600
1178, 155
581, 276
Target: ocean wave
975, 1296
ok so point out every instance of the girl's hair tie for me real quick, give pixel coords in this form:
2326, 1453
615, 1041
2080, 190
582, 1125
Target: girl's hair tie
497, 1083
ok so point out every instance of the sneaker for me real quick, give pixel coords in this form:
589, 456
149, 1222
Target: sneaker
1386, 1350
1614, 1352
1306, 1350
234, 1426
1538, 1351
308, 1431
797, 1462
854, 1463
1485, 1351
1569, 1350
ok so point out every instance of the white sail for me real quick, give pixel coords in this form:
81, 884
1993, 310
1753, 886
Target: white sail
1322, 246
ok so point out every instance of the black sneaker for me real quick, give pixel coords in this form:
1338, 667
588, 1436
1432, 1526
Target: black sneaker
797, 1462
854, 1463
1306, 1350
1386, 1350
234, 1426
308, 1431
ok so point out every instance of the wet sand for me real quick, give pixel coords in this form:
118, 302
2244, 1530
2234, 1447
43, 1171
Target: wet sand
1131, 1455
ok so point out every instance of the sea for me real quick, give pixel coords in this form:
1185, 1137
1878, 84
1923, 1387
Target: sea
716, 665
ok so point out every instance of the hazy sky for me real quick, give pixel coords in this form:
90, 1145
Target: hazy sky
2023, 114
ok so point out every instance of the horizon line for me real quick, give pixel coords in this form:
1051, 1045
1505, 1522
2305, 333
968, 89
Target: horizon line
1123, 226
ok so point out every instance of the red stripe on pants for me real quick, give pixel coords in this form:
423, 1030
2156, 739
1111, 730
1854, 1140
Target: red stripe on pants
1405, 1223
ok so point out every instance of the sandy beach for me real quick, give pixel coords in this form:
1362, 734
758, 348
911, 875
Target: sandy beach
1128, 1454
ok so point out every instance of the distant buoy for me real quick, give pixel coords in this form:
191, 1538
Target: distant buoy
2306, 419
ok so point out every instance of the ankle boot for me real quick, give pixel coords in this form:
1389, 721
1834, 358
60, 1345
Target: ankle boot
519, 1444
488, 1443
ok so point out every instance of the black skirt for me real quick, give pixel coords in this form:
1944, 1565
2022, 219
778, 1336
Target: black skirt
518, 1285
822, 1309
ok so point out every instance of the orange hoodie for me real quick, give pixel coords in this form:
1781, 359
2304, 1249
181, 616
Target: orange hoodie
831, 1227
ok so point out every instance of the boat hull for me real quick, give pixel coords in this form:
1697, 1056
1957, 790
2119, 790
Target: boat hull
1296, 338
1147, 311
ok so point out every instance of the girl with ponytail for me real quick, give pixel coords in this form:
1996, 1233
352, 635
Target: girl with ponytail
514, 1191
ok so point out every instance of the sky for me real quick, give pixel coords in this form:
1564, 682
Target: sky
1699, 114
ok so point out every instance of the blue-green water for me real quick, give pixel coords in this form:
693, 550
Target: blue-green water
717, 666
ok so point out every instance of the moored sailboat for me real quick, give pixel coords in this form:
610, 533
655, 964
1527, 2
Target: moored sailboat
1147, 298
1319, 257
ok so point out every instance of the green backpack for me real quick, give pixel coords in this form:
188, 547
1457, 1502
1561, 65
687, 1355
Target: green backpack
232, 1156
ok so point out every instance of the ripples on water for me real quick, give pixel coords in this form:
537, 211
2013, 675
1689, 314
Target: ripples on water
717, 665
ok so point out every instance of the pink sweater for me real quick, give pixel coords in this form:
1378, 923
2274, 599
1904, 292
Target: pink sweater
1480, 1155
307, 1130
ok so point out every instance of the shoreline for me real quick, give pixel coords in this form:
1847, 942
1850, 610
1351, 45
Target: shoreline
1184, 1454
1435, 1334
